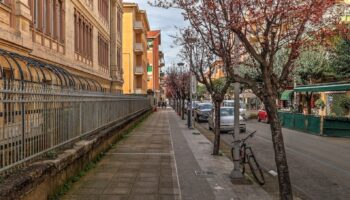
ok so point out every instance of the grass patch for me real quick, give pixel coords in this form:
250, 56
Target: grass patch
51, 155
69, 183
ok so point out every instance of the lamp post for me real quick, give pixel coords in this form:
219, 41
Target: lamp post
236, 172
189, 107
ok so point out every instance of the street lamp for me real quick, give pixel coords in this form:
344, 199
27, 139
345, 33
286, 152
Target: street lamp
236, 172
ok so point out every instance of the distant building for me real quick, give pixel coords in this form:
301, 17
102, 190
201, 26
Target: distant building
155, 62
135, 28
82, 37
346, 17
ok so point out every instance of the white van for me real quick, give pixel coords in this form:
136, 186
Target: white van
231, 103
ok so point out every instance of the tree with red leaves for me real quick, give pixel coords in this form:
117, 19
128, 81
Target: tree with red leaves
177, 83
250, 34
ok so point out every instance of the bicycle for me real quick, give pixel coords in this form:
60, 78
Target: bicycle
247, 157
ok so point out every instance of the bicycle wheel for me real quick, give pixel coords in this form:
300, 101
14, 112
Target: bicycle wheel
256, 170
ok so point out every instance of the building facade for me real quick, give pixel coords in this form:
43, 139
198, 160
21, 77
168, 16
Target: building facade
135, 28
80, 36
155, 62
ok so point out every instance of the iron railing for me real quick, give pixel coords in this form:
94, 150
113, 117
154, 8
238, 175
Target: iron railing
37, 118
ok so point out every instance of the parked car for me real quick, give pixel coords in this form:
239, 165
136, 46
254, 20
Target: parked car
227, 120
231, 103
262, 116
202, 111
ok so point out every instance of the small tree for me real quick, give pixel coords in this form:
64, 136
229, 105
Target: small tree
313, 67
177, 83
340, 59
202, 64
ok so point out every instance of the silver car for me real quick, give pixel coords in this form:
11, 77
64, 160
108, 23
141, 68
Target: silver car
226, 120
231, 103
202, 111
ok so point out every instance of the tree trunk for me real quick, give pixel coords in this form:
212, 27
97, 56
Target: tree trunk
278, 145
216, 149
183, 109
308, 102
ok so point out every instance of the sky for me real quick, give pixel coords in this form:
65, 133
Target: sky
165, 20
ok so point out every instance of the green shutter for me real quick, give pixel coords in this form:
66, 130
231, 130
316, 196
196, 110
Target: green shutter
149, 68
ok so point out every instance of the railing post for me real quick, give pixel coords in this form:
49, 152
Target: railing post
321, 125
23, 121
80, 118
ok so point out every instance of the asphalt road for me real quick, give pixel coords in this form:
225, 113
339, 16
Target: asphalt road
319, 166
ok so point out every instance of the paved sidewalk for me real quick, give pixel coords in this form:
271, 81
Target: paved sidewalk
208, 175
140, 167
162, 159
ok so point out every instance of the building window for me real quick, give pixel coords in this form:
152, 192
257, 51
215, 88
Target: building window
89, 3
7, 2
82, 36
48, 18
103, 8
103, 52
119, 22
119, 58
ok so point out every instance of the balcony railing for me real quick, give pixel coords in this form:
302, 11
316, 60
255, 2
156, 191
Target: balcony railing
139, 70
138, 91
138, 48
138, 25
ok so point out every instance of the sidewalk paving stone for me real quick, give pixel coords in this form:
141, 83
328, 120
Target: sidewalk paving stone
141, 167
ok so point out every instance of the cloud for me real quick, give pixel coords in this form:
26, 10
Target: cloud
165, 20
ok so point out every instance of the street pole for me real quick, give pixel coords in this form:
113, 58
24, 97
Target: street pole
190, 105
236, 172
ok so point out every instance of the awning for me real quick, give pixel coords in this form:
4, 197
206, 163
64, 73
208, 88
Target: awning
286, 95
323, 88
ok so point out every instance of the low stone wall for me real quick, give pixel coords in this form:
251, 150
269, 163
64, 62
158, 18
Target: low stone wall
41, 179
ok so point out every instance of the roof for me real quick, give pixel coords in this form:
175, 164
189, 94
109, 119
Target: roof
138, 10
154, 34
324, 87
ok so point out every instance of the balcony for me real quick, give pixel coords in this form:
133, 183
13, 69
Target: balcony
138, 91
138, 26
139, 70
138, 48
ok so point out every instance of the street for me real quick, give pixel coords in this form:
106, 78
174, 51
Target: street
319, 166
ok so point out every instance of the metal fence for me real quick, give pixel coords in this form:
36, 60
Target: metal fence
318, 125
36, 118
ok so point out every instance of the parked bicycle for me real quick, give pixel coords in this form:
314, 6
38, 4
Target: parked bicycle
247, 157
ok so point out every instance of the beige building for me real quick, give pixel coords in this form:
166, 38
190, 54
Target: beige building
135, 28
82, 37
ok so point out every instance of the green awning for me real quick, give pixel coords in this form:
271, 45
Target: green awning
323, 88
286, 95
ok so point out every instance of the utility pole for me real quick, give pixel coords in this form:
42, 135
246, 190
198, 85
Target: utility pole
236, 172
189, 107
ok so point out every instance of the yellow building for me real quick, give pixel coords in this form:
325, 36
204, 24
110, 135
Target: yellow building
80, 37
346, 17
135, 28
218, 71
